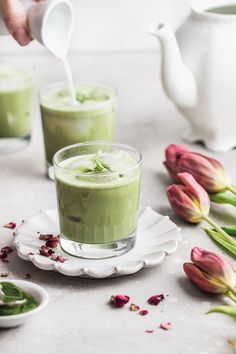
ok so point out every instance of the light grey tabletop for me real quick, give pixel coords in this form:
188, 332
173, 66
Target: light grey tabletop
78, 318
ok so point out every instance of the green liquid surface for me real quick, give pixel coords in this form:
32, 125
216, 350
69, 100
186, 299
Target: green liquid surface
64, 124
102, 209
223, 10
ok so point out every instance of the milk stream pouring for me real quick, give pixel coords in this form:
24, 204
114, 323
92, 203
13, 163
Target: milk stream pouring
51, 23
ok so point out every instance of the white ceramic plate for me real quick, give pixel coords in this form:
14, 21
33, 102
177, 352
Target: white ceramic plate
157, 237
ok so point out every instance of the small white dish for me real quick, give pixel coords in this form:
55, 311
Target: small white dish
157, 237
41, 297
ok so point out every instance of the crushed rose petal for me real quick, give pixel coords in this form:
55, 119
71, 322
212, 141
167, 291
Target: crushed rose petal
4, 253
10, 225
166, 326
7, 250
156, 299
45, 237
46, 251
53, 242
119, 300
149, 330
58, 258
143, 312
134, 307
4, 274
27, 276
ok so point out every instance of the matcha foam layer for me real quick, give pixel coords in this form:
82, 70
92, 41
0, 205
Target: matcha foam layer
88, 96
101, 170
14, 78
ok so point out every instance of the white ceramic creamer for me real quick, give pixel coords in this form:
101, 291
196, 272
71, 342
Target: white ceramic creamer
50, 22
199, 71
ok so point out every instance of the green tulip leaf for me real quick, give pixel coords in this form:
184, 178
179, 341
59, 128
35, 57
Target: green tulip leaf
220, 239
230, 230
223, 198
226, 310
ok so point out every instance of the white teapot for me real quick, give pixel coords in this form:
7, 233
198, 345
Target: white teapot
199, 71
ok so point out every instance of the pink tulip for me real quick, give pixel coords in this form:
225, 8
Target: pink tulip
190, 201
173, 153
208, 172
210, 272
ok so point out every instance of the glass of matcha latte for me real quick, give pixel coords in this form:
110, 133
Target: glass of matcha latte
16, 93
98, 187
91, 117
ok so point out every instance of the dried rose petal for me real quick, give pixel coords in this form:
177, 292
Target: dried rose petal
45, 237
7, 250
149, 330
3, 255
134, 307
53, 242
10, 225
53, 257
27, 276
4, 274
119, 300
143, 312
156, 299
46, 251
58, 258
166, 326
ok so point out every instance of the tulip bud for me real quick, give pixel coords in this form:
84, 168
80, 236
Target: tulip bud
173, 154
190, 201
210, 272
208, 172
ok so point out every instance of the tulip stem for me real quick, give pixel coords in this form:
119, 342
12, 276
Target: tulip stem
219, 229
231, 293
232, 188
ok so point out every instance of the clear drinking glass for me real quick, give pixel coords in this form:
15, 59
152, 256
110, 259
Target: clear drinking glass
16, 96
98, 185
92, 119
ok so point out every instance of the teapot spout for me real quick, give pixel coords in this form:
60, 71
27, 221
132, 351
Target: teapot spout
178, 81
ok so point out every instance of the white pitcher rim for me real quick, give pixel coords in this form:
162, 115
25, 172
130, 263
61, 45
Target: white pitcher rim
200, 7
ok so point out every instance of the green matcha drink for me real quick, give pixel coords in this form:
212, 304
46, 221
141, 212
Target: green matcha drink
64, 123
98, 198
16, 92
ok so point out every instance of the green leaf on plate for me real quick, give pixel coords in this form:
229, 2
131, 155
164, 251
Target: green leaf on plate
12, 293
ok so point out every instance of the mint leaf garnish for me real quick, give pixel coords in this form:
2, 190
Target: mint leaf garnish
81, 98
101, 166
96, 164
